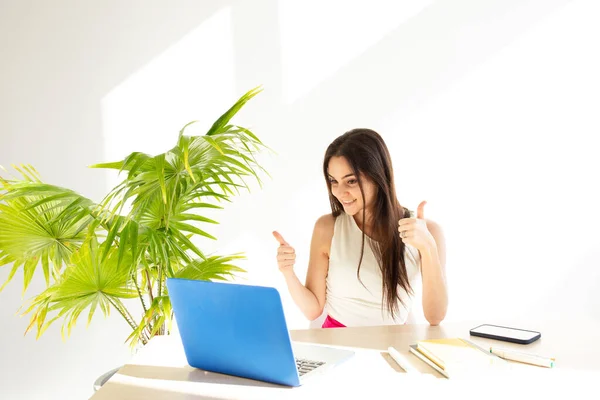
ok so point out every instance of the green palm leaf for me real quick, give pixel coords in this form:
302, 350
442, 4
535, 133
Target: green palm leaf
157, 318
212, 268
88, 282
41, 223
225, 118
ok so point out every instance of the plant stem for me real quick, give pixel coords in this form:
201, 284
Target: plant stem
161, 330
168, 207
123, 311
155, 318
140, 293
159, 290
149, 288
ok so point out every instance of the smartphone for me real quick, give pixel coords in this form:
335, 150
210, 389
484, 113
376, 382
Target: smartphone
506, 334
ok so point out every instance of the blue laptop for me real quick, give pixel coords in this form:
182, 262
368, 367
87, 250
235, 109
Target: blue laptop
240, 330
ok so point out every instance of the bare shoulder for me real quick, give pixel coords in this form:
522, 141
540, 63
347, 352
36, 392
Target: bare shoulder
323, 233
324, 225
325, 221
434, 228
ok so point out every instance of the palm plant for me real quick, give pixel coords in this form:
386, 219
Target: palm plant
100, 255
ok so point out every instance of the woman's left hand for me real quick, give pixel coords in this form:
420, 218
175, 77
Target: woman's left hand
414, 231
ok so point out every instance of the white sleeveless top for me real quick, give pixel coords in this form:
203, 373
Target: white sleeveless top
348, 301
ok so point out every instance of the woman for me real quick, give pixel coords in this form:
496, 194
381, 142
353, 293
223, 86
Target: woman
366, 254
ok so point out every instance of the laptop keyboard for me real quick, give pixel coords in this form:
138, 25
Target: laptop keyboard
305, 366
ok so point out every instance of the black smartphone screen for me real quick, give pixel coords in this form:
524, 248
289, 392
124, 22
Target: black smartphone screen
505, 333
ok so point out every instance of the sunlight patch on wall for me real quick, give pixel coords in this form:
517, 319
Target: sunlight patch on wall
191, 80
338, 32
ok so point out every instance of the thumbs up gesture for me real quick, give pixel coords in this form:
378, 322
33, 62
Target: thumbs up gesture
286, 255
414, 231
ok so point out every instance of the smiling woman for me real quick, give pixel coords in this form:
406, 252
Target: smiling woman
366, 255
345, 188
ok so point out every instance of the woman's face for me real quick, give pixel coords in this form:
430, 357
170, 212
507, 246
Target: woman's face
344, 186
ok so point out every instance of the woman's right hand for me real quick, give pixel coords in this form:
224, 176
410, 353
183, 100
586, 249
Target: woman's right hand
286, 255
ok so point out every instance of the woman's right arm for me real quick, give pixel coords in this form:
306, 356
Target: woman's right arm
310, 298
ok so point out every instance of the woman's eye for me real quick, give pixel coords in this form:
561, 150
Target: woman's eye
351, 181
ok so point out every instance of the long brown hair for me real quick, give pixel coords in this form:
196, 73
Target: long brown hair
367, 154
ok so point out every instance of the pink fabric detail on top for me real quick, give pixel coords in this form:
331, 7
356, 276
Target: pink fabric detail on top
332, 323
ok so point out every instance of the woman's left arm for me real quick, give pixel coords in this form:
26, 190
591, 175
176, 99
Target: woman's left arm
427, 237
433, 272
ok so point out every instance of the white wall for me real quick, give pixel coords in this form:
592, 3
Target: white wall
489, 109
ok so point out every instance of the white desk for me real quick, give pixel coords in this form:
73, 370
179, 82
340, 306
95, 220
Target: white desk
160, 371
